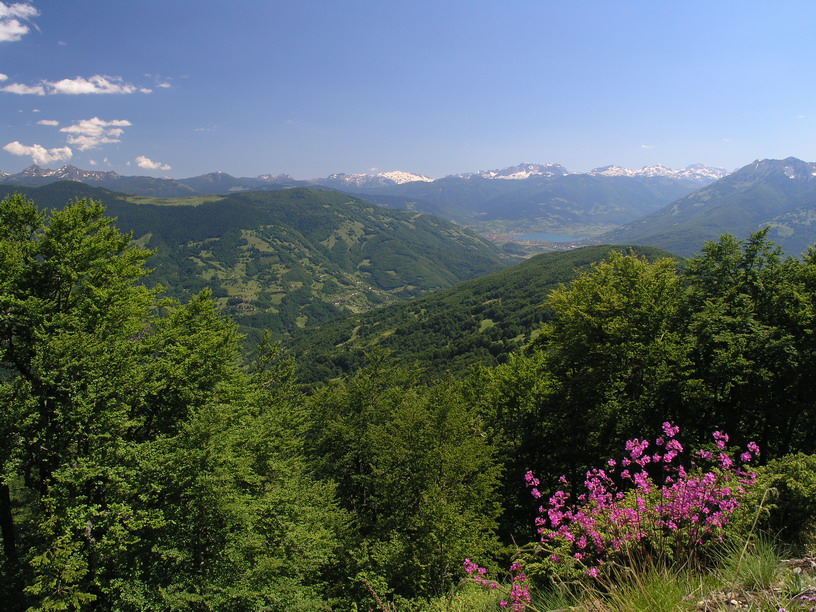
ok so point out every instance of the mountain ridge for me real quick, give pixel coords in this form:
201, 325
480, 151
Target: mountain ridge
522, 171
775, 193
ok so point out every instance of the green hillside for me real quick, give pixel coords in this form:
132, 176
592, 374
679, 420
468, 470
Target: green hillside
288, 259
478, 321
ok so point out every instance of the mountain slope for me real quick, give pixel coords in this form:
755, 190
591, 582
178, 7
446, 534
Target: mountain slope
291, 258
477, 321
776, 193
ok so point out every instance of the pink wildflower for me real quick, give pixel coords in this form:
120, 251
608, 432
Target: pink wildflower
670, 430
532, 481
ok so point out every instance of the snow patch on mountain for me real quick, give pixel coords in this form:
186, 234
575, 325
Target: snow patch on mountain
400, 177
275, 178
520, 172
697, 173
361, 180
66, 173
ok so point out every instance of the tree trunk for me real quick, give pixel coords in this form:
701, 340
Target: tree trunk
7, 526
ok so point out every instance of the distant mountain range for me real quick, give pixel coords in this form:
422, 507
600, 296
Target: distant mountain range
676, 210
770, 192
516, 200
217, 182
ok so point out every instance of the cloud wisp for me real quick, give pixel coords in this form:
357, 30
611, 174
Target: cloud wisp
149, 164
92, 133
13, 18
39, 154
97, 84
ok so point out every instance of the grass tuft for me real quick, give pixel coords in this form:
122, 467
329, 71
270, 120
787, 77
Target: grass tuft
755, 565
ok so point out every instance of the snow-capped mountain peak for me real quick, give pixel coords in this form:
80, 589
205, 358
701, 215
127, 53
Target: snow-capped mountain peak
520, 172
400, 177
66, 173
362, 180
274, 178
694, 173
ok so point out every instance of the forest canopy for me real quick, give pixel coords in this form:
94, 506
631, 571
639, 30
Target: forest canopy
146, 465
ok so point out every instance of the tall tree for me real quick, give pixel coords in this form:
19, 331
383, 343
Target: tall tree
614, 354
70, 310
749, 317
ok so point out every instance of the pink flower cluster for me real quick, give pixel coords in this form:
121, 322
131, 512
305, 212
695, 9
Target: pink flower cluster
478, 574
519, 592
654, 504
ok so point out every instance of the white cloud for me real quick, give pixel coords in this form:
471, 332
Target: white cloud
647, 146
149, 164
47, 122
94, 132
3, 77
164, 85
97, 84
38, 153
12, 17
24, 90
18, 9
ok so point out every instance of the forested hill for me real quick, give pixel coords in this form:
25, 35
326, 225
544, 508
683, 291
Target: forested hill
478, 321
287, 259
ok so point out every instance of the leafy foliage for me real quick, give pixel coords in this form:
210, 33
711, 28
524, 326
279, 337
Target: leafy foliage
792, 506
141, 468
414, 469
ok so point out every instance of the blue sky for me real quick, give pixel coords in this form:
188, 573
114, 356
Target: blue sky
307, 88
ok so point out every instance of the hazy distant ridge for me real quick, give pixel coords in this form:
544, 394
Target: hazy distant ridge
218, 182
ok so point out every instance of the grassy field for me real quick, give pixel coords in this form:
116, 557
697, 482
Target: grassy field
187, 201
